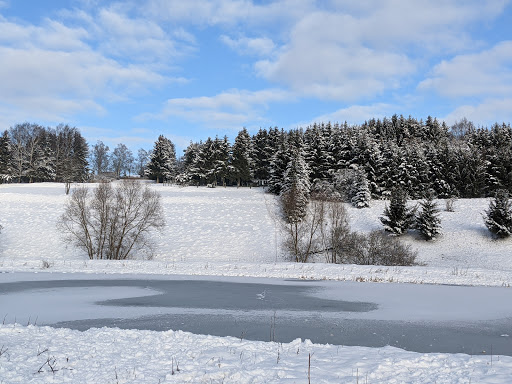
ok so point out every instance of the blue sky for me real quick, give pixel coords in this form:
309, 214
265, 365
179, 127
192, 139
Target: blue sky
127, 71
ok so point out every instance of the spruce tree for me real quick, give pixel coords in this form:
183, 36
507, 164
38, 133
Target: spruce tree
498, 218
162, 165
5, 158
278, 165
261, 155
296, 188
242, 162
398, 219
362, 196
79, 155
428, 221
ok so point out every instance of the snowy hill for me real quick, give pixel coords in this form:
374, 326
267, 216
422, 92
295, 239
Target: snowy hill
232, 232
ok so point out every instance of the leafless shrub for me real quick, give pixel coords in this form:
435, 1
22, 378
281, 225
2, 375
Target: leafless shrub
335, 225
450, 204
321, 226
301, 236
375, 248
112, 222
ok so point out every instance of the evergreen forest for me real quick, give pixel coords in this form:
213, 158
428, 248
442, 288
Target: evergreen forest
371, 159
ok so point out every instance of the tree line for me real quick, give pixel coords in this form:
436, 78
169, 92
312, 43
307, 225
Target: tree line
32, 153
364, 160
359, 161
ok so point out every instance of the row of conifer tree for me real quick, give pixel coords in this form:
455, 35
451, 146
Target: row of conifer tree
361, 161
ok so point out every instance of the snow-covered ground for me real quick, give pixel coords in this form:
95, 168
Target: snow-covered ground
47, 355
231, 232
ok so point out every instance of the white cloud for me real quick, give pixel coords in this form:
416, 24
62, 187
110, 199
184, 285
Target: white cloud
436, 25
486, 113
230, 109
481, 74
52, 35
357, 114
227, 12
318, 61
259, 46
81, 74
59, 68
137, 39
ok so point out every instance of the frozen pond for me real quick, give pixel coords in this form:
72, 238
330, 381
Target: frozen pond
422, 318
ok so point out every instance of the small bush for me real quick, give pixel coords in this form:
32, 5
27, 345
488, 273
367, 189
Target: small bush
449, 204
375, 248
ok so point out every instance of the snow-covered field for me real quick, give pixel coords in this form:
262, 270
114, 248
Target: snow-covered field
231, 232
47, 355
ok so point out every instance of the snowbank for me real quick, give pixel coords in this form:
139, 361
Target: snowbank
46, 355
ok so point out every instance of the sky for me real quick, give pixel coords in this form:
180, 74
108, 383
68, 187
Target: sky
128, 71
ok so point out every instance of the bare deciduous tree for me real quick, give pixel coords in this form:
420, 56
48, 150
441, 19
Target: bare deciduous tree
334, 228
112, 222
323, 224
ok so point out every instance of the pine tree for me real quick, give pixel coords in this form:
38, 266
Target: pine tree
242, 161
44, 160
262, 155
278, 165
162, 165
5, 158
362, 195
317, 154
296, 188
190, 164
398, 219
79, 155
428, 221
498, 218
220, 160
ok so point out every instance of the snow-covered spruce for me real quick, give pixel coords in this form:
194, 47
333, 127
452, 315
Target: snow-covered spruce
362, 196
428, 221
498, 218
398, 219
162, 166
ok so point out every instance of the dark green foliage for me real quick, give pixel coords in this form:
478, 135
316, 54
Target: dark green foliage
498, 218
296, 189
362, 196
428, 221
162, 166
278, 165
242, 162
5, 158
398, 219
